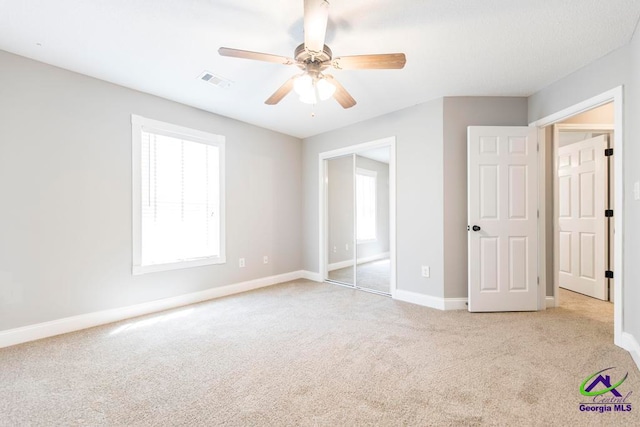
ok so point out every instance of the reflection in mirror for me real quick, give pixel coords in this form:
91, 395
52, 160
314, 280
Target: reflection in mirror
372, 220
340, 217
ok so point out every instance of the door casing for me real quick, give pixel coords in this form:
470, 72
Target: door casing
616, 96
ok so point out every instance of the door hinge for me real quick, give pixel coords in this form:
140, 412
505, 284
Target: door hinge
608, 213
608, 152
538, 213
538, 280
538, 147
608, 274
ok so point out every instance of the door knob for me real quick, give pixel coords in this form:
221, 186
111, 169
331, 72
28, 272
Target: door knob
476, 228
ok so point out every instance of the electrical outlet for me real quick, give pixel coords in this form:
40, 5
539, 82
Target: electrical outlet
241, 263
636, 190
265, 259
346, 246
335, 249
426, 271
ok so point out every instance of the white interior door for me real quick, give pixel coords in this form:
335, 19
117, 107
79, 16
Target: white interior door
502, 212
582, 226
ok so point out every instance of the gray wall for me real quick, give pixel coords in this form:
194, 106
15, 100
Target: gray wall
459, 113
340, 209
621, 67
418, 132
381, 244
65, 181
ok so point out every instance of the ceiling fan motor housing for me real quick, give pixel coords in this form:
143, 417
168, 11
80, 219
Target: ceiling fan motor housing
302, 55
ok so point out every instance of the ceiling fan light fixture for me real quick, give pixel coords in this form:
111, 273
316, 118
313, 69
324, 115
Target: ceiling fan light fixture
313, 57
303, 85
309, 98
312, 90
325, 89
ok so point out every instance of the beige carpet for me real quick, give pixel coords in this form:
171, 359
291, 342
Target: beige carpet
375, 275
305, 353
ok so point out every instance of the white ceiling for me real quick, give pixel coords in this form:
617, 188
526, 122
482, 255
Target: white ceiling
453, 48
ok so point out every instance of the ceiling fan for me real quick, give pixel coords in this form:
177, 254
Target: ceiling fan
313, 57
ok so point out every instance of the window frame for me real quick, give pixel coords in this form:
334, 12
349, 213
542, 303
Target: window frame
372, 174
138, 125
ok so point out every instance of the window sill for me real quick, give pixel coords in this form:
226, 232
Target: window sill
199, 262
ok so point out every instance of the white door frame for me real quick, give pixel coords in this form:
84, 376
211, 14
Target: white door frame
322, 202
556, 197
615, 95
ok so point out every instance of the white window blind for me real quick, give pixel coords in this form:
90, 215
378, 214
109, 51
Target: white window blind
365, 205
180, 218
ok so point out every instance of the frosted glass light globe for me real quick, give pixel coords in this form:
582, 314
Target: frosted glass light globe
303, 85
325, 89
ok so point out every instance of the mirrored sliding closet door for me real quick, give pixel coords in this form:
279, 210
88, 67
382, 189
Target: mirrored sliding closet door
358, 210
340, 220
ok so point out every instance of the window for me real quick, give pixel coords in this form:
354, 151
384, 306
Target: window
178, 197
365, 205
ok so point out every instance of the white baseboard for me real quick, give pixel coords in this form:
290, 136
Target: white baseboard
431, 301
70, 324
443, 303
348, 263
455, 304
311, 275
630, 343
550, 302
419, 299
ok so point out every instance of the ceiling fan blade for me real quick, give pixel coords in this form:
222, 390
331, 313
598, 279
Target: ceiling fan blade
281, 92
363, 62
257, 56
341, 95
316, 16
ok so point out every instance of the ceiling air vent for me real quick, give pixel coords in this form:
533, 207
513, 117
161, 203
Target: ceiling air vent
214, 80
